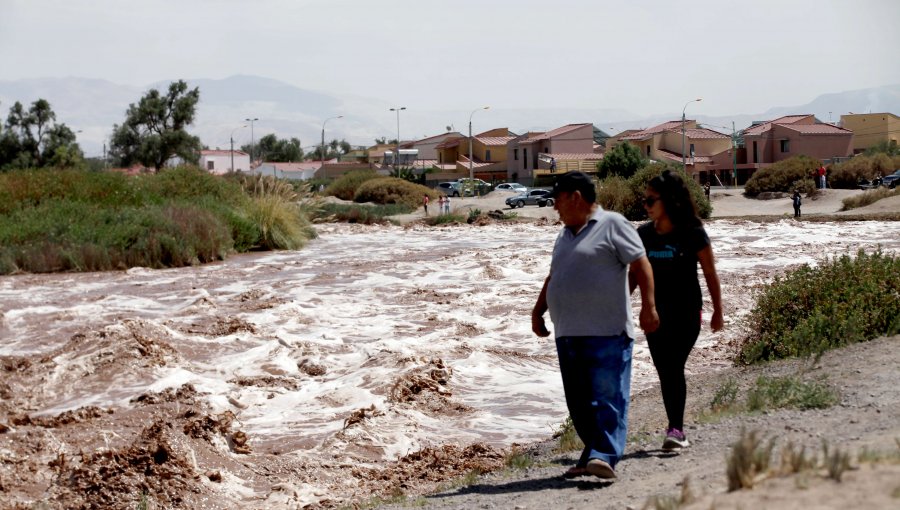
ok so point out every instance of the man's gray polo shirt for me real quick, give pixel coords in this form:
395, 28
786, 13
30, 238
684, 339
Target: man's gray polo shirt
588, 290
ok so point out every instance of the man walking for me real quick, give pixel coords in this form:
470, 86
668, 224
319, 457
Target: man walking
587, 295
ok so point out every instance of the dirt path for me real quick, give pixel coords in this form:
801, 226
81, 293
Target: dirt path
868, 416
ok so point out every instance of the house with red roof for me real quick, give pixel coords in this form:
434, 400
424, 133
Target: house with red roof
220, 162
664, 142
488, 155
792, 135
536, 155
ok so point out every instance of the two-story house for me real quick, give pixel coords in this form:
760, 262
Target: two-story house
676, 141
871, 128
776, 140
538, 154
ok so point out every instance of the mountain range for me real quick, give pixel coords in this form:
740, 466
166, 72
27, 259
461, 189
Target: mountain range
91, 107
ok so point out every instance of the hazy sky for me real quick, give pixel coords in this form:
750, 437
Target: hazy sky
646, 56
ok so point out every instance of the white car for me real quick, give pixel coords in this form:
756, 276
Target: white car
511, 186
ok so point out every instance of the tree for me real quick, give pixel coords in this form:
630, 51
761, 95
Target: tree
154, 128
623, 160
272, 148
32, 138
333, 149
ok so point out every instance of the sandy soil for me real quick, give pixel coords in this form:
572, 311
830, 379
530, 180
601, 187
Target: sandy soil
868, 417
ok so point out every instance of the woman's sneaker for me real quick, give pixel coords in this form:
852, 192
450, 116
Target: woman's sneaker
675, 440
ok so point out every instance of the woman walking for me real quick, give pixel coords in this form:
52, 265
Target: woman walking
675, 242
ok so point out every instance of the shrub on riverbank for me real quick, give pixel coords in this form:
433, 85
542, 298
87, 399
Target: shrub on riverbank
392, 190
786, 176
62, 220
847, 175
365, 214
625, 195
869, 197
810, 310
345, 186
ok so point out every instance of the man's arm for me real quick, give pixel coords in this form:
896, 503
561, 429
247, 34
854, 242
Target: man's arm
537, 314
643, 274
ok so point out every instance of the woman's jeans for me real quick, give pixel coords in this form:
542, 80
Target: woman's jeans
596, 374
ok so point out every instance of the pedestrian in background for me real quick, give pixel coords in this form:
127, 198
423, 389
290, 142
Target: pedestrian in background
587, 295
676, 241
425, 203
441, 204
447, 204
797, 202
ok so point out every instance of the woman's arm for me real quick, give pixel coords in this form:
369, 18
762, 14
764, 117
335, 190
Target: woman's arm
707, 263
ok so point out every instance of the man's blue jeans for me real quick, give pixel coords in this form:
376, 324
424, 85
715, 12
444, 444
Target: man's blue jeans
596, 374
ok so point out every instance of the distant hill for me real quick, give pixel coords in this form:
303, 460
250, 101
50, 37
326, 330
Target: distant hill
93, 106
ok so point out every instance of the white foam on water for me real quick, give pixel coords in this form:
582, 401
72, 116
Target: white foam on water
368, 305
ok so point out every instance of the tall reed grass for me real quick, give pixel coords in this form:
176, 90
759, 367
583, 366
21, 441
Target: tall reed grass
64, 220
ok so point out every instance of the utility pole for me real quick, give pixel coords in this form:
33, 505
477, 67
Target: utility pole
252, 142
733, 155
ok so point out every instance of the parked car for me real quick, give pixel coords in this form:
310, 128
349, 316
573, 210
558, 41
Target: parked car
531, 197
474, 185
511, 186
451, 189
890, 181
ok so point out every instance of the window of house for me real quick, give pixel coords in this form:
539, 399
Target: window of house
648, 150
210, 165
487, 155
755, 154
516, 154
525, 157
785, 146
692, 151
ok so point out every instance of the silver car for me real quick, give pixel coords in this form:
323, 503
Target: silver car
531, 197
511, 186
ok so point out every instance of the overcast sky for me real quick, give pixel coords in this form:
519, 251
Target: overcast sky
648, 57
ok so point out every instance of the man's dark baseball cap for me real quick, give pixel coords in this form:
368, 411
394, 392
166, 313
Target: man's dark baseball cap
575, 181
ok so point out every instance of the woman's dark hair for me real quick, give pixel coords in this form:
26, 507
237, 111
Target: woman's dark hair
676, 198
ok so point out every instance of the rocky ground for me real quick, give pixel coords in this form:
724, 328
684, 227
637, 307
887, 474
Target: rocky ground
866, 419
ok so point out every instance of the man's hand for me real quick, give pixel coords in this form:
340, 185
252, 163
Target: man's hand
643, 274
538, 326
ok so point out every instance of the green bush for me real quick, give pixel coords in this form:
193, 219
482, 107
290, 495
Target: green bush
345, 186
392, 190
811, 310
365, 214
64, 235
62, 220
847, 175
782, 392
783, 176
868, 197
614, 194
625, 196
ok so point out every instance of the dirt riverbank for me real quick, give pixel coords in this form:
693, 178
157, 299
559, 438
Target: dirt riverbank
867, 418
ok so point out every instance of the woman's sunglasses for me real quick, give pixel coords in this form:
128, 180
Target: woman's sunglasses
649, 201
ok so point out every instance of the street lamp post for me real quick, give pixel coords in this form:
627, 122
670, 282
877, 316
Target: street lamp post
683, 166
397, 153
231, 138
323, 138
252, 143
471, 172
